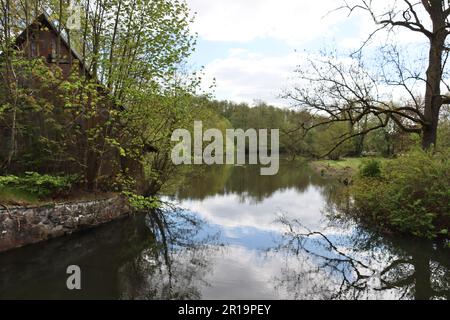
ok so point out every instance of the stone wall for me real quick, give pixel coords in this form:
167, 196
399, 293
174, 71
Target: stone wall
20, 226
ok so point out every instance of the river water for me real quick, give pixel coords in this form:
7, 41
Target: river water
229, 233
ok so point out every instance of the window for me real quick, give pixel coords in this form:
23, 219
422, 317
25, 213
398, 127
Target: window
53, 47
33, 48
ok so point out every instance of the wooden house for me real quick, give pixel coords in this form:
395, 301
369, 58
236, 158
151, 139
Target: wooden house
43, 39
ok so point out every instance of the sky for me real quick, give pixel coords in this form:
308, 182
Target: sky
252, 47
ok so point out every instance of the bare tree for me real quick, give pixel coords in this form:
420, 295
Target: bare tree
347, 91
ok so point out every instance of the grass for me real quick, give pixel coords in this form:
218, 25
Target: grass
12, 196
344, 166
16, 197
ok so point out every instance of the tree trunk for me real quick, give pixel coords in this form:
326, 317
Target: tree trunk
429, 134
433, 98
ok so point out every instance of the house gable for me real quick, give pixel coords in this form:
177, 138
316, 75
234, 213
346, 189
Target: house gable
40, 39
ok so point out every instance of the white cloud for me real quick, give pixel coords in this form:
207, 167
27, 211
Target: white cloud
292, 21
244, 76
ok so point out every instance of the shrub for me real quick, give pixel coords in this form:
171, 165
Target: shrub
411, 194
141, 203
42, 186
371, 168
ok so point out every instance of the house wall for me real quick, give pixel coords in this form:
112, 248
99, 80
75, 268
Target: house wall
41, 39
43, 42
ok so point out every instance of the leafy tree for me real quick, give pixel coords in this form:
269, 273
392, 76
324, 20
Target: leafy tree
105, 121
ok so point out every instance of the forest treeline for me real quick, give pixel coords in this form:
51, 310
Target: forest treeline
322, 141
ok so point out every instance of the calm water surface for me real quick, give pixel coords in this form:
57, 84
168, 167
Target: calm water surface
233, 234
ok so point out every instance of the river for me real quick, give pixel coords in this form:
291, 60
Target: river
229, 233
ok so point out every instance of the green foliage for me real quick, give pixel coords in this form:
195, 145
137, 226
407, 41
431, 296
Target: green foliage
42, 186
411, 195
141, 203
444, 133
294, 141
326, 139
370, 168
101, 126
14, 196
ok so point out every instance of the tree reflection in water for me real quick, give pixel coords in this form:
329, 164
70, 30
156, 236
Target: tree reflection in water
361, 265
343, 260
175, 266
159, 255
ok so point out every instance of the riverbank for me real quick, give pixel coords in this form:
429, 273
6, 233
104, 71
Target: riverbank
12, 197
345, 167
24, 225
